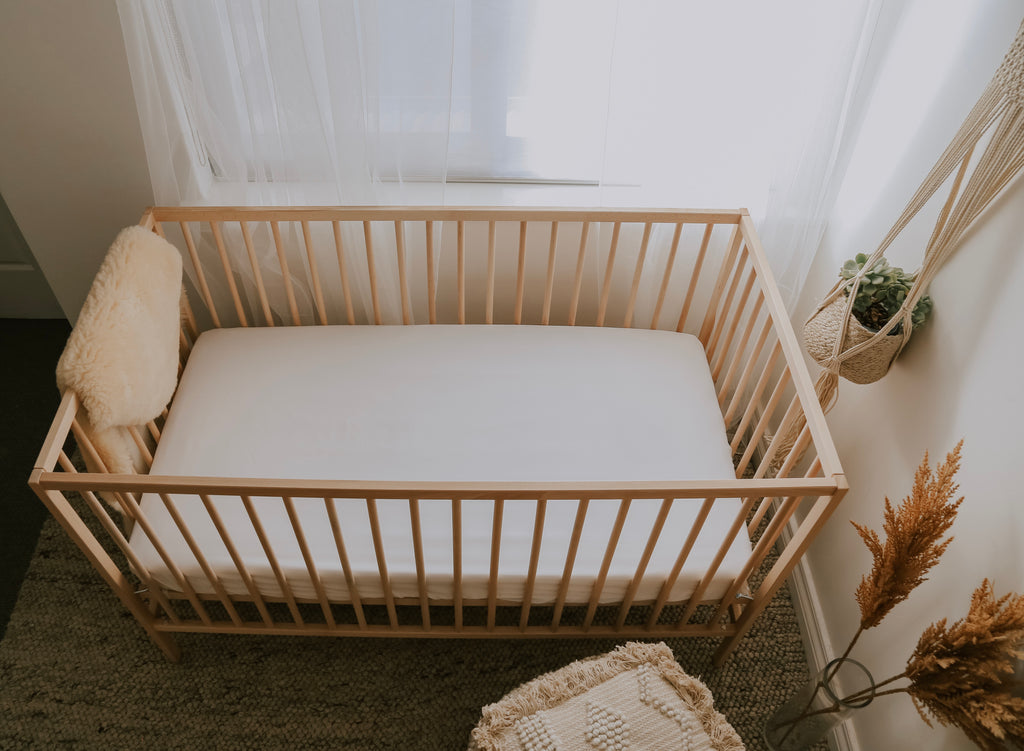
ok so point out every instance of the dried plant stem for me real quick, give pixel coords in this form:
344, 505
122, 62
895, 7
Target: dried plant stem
821, 684
853, 641
836, 706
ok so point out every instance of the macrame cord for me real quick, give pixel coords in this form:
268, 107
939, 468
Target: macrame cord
862, 355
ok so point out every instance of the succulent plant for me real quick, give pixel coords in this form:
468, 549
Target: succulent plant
881, 293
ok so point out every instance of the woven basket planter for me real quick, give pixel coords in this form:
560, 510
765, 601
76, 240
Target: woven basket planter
822, 331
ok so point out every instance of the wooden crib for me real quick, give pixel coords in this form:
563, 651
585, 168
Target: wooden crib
431, 553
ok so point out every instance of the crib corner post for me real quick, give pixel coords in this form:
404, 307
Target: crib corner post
788, 560
86, 541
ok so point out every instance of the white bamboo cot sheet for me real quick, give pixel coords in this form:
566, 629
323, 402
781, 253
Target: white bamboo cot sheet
450, 404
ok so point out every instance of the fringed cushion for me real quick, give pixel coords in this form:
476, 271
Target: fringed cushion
636, 698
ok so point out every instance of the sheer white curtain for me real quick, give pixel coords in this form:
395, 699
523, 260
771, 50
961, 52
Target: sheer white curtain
574, 102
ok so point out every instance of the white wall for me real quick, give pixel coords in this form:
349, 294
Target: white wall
72, 163
958, 378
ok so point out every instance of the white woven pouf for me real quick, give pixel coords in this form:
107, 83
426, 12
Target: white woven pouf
636, 698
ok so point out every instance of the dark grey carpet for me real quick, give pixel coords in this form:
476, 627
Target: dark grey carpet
77, 672
28, 399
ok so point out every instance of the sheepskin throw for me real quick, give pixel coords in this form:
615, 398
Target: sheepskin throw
636, 698
122, 356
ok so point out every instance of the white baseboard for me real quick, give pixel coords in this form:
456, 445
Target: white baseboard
817, 644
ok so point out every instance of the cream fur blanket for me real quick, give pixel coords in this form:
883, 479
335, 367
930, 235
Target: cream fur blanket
122, 356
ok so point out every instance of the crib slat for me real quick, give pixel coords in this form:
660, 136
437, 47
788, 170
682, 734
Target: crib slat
490, 272
339, 247
254, 263
190, 317
457, 561
792, 411
431, 277
307, 558
461, 269
236, 559
716, 562
609, 553
339, 543
314, 274
637, 274
669, 266
755, 399
762, 424
286, 276
403, 282
726, 342
371, 269
677, 567
153, 430
521, 273
549, 286
737, 356
197, 553
204, 288
577, 284
691, 289
114, 531
492, 579
724, 271
748, 371
606, 287
92, 455
719, 325
765, 505
218, 240
382, 567
268, 551
757, 556
141, 445
645, 559
531, 577
570, 561
794, 455
421, 574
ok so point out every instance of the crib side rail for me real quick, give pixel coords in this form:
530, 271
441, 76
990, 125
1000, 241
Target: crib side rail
201, 600
810, 409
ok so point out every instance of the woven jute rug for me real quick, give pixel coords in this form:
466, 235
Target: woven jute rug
77, 672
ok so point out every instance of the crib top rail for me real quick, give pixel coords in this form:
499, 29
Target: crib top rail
437, 213
696, 489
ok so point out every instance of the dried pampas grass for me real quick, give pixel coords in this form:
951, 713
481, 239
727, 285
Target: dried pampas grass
960, 674
913, 541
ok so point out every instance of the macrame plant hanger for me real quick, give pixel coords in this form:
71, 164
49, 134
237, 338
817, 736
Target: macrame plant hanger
840, 344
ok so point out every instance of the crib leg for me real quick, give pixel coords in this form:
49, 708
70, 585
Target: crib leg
783, 567
167, 643
60, 508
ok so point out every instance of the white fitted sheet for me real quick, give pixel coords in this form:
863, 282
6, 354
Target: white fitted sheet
445, 403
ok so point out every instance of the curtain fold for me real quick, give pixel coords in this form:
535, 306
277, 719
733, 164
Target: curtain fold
599, 103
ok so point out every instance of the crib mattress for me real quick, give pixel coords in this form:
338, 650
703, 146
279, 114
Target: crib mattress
448, 404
